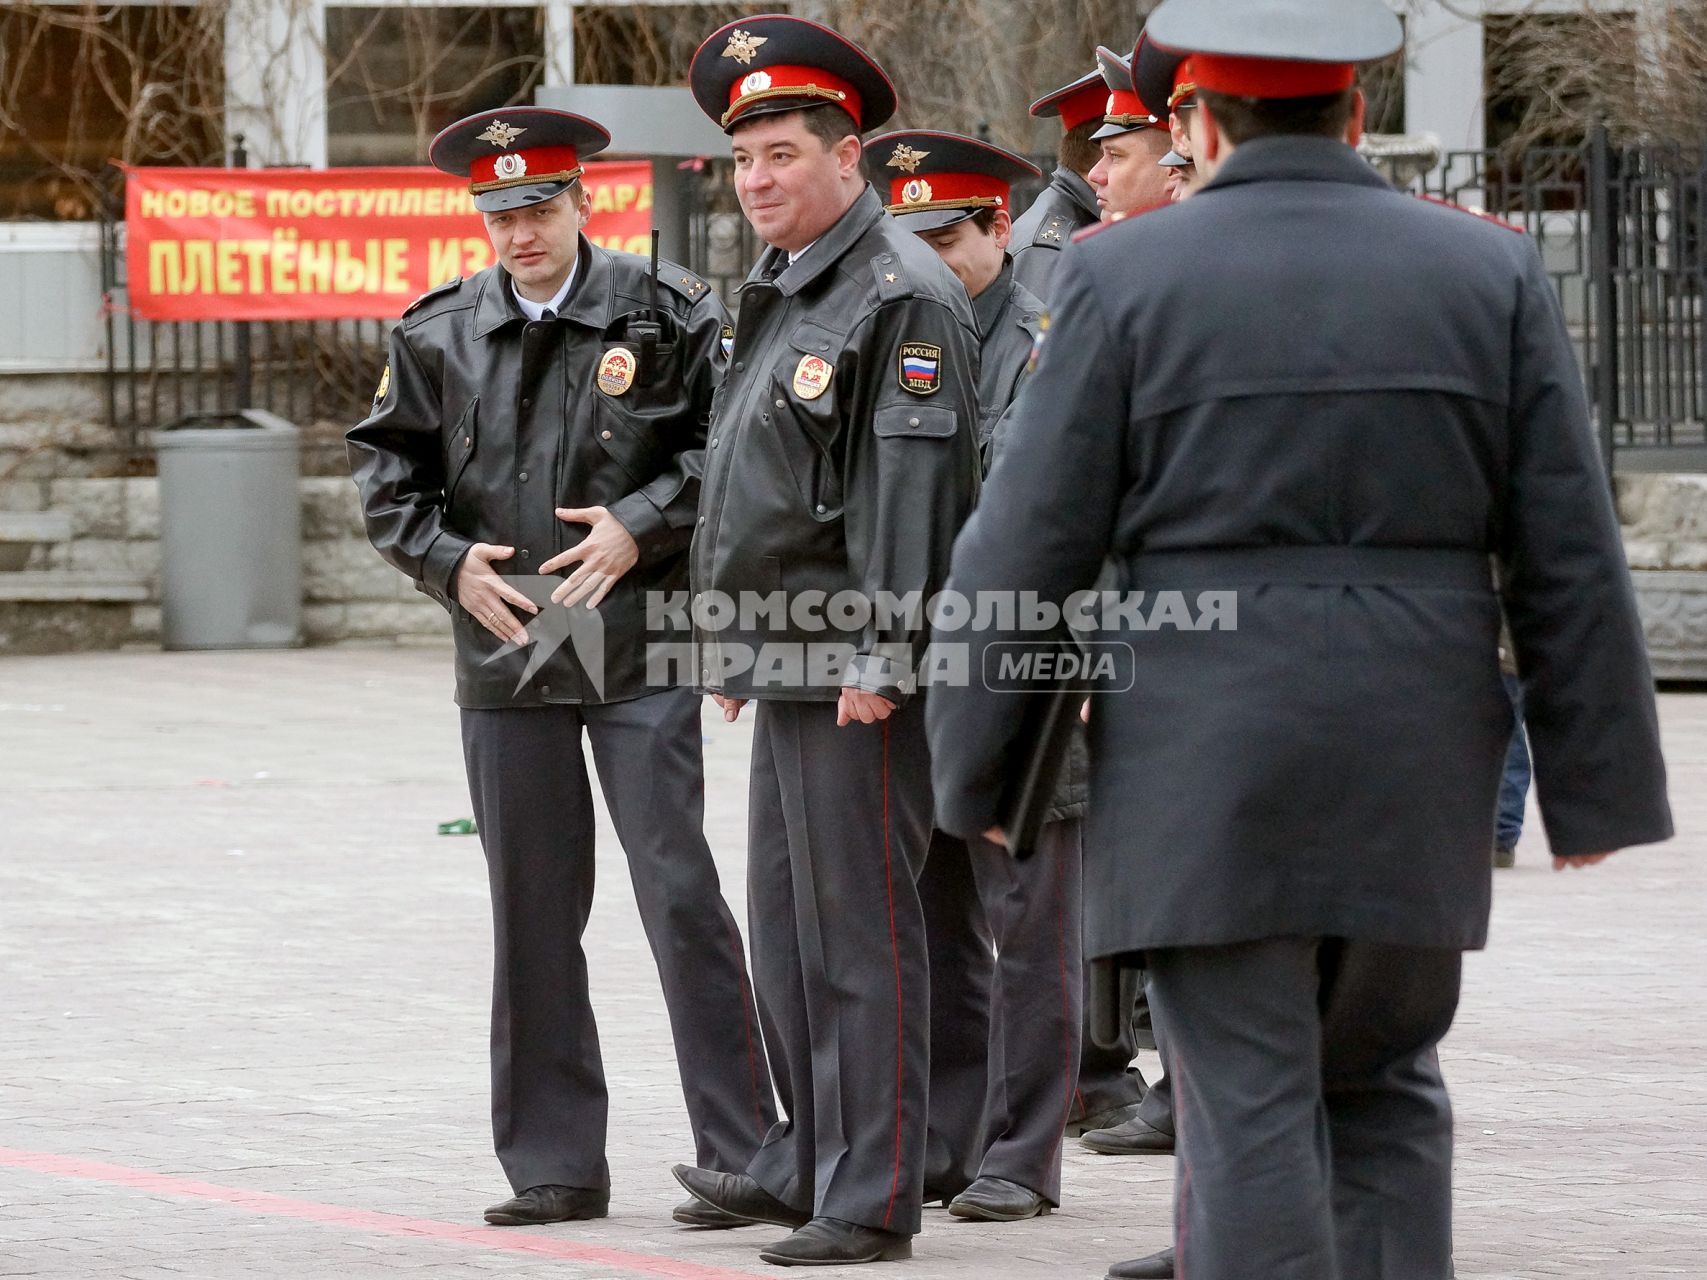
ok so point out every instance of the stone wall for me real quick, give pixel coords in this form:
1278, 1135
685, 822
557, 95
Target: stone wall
349, 593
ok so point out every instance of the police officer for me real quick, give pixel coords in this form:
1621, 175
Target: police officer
532, 453
841, 462
1309, 445
1133, 138
1004, 1038
1067, 204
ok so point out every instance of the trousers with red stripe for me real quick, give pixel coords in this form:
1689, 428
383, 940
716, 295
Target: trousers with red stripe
840, 822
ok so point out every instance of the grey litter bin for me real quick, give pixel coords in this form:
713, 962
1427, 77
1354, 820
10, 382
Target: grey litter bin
230, 532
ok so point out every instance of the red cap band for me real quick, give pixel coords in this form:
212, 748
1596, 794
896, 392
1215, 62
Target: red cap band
1125, 107
524, 164
791, 82
1086, 104
946, 190
1270, 77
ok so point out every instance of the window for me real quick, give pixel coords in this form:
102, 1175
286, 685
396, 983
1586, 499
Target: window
397, 75
79, 86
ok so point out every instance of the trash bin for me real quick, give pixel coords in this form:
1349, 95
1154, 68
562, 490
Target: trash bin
230, 532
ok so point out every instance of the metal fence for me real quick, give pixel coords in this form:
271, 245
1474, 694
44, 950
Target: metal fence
1623, 232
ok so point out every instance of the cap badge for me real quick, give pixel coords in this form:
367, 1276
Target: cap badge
509, 166
906, 159
758, 82
742, 46
616, 371
812, 377
918, 191
500, 134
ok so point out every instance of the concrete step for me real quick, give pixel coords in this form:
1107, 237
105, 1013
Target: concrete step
22, 531
73, 587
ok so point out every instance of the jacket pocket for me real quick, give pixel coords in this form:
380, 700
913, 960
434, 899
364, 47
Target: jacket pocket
459, 448
930, 422
632, 435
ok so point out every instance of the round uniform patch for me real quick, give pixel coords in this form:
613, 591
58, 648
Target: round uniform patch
616, 371
812, 377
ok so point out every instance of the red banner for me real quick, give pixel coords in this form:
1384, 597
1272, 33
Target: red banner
300, 244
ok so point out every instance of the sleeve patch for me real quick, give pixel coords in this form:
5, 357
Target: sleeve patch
384, 385
920, 368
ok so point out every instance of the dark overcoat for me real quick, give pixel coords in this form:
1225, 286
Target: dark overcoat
1064, 208
1338, 403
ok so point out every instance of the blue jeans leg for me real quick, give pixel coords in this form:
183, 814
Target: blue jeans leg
1514, 786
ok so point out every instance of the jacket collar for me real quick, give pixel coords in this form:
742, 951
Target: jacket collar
989, 306
1075, 189
1295, 159
591, 300
824, 252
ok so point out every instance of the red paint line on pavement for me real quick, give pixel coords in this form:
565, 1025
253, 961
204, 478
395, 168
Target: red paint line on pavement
505, 1239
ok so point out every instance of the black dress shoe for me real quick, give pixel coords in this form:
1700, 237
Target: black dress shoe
829, 1242
998, 1200
1133, 1138
739, 1196
1158, 1266
542, 1204
1108, 1118
694, 1212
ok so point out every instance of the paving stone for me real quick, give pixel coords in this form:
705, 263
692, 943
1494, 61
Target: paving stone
235, 952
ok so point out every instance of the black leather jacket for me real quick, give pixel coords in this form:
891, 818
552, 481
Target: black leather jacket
487, 422
1067, 206
842, 457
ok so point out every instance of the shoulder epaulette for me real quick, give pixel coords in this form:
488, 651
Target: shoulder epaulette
1087, 232
892, 282
447, 287
682, 281
1053, 232
1483, 214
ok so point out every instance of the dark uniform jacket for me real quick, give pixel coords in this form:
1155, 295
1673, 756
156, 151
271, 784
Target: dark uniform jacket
1067, 206
842, 457
1010, 322
487, 422
1339, 402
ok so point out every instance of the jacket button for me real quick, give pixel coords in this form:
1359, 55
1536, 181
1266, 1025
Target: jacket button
714, 440
820, 508
604, 435
527, 404
911, 422
523, 477
528, 555
545, 691
740, 366
468, 442
702, 519
782, 404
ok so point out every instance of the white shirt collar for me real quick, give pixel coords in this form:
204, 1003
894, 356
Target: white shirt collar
534, 310
794, 256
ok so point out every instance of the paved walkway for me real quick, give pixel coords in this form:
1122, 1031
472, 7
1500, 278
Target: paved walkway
244, 986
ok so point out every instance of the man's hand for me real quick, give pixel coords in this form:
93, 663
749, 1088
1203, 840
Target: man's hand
606, 553
480, 590
867, 708
995, 835
1581, 860
731, 706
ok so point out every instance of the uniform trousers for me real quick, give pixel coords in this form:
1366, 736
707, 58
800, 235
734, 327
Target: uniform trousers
534, 807
1314, 1131
840, 821
1005, 1029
